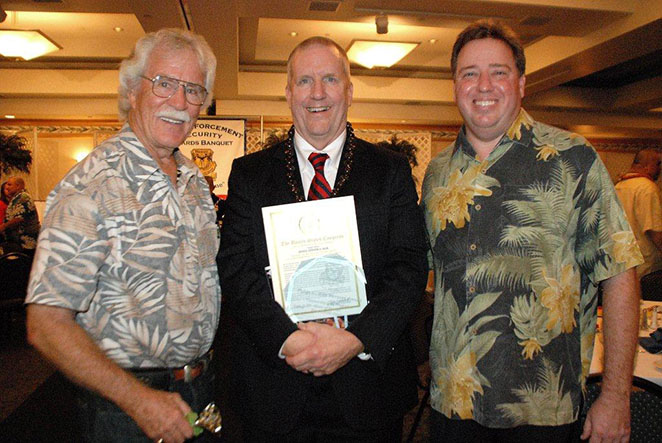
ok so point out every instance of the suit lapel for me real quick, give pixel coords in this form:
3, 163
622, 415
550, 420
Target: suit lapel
280, 174
354, 177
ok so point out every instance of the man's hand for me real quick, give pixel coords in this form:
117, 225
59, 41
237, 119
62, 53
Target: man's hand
608, 420
297, 342
55, 333
160, 414
332, 349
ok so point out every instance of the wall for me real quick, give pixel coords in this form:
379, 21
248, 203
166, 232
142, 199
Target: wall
56, 145
55, 156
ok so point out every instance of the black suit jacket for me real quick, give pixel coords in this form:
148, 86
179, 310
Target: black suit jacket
267, 392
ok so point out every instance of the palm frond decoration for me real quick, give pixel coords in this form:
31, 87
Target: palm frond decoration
14, 155
508, 269
542, 402
275, 136
458, 344
529, 318
401, 146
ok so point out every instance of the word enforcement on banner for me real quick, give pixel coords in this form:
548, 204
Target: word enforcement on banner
212, 145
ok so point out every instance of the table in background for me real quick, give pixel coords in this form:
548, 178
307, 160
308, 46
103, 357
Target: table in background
645, 362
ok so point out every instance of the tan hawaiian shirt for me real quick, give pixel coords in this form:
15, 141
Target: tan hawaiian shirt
519, 244
133, 255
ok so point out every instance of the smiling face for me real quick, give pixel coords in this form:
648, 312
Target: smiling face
162, 124
319, 93
488, 90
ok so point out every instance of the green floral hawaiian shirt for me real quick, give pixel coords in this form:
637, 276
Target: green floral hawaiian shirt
519, 244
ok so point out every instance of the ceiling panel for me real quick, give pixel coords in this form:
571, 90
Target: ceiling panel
582, 56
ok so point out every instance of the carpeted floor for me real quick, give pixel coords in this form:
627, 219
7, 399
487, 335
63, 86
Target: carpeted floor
36, 402
22, 369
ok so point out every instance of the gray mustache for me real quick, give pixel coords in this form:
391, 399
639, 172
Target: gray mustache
175, 115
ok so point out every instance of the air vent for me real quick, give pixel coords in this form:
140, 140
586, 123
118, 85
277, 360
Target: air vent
535, 21
324, 6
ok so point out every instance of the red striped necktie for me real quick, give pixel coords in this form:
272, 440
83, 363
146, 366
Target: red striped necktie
319, 188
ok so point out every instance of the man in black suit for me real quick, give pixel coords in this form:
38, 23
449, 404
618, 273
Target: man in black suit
313, 381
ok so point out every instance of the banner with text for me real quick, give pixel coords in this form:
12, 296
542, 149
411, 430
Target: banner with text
212, 145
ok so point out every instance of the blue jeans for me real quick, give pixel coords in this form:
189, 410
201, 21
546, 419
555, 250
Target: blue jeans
102, 421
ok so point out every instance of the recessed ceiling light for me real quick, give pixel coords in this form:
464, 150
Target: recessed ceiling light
384, 54
25, 44
293, 34
10, 116
433, 41
118, 29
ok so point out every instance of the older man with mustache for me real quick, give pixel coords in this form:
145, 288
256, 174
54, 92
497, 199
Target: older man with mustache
124, 296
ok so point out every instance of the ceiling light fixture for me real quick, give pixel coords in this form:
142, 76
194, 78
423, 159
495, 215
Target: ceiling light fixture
381, 21
10, 116
118, 29
380, 54
293, 34
25, 44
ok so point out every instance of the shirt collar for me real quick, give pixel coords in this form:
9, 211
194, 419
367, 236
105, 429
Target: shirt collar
333, 149
140, 155
17, 196
519, 132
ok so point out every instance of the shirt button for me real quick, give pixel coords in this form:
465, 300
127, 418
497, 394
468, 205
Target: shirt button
478, 206
472, 289
472, 247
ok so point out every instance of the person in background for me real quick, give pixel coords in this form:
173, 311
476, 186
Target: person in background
313, 381
219, 203
640, 196
524, 224
124, 296
20, 225
4, 201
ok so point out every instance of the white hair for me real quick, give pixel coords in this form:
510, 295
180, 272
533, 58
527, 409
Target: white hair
170, 38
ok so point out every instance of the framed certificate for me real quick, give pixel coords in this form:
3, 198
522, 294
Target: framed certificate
315, 258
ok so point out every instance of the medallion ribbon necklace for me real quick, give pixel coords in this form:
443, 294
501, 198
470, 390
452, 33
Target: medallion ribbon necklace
319, 188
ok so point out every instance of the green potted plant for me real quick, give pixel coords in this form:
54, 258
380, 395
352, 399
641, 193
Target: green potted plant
14, 155
401, 146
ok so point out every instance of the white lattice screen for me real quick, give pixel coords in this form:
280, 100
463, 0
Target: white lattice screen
422, 140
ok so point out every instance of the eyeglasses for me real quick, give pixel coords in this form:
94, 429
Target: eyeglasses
165, 87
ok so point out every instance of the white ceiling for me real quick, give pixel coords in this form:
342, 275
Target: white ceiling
565, 40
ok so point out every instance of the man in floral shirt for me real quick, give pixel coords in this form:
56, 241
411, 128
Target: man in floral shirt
524, 224
21, 223
124, 296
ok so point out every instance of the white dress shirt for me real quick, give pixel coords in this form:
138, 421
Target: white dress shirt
304, 149
334, 151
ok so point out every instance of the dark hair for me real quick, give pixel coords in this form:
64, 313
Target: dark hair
646, 157
488, 28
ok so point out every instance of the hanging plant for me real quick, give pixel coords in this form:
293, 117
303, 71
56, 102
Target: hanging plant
275, 136
14, 156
